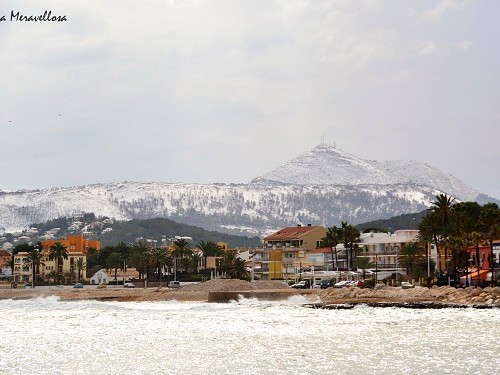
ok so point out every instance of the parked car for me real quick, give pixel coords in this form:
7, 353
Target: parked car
78, 286
174, 284
326, 283
128, 285
304, 284
101, 286
342, 284
407, 285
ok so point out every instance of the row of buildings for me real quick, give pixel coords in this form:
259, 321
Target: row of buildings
288, 254
295, 252
76, 247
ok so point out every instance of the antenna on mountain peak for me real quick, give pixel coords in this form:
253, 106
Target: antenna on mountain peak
322, 140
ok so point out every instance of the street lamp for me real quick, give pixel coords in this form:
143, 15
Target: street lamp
428, 260
448, 262
124, 266
467, 272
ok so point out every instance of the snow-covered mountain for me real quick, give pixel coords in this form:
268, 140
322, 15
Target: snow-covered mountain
327, 165
322, 186
250, 208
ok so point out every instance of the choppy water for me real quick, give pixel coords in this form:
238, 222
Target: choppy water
46, 336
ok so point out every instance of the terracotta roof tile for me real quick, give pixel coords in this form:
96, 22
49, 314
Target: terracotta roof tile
289, 233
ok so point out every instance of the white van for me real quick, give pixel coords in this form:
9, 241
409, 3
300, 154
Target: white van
174, 284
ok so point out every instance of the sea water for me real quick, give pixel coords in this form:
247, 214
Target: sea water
48, 336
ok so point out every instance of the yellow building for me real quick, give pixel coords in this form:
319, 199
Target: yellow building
211, 261
285, 250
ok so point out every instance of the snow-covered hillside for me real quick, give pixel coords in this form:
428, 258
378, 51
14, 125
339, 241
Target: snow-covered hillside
254, 207
322, 186
327, 165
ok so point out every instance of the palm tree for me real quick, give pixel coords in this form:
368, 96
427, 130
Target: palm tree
442, 206
409, 256
234, 267
490, 222
140, 257
11, 265
195, 261
477, 240
364, 263
182, 250
160, 258
209, 249
456, 245
459, 214
430, 231
58, 252
35, 260
240, 270
80, 265
331, 240
350, 238
114, 261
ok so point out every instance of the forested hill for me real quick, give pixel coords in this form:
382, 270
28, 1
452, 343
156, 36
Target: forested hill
111, 232
164, 229
407, 221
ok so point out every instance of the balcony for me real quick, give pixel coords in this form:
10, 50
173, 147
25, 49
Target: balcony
261, 270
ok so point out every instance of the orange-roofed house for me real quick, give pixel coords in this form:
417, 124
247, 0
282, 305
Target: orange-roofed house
76, 248
284, 250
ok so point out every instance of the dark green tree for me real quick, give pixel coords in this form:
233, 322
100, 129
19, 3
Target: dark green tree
409, 257
331, 240
181, 251
350, 238
195, 261
209, 249
160, 258
430, 231
490, 223
35, 260
80, 266
57, 253
364, 263
234, 267
140, 257
442, 206
114, 261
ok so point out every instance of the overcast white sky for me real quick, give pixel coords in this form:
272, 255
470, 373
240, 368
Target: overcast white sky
224, 91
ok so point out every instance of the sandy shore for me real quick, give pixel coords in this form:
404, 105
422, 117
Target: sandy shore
195, 293
108, 294
219, 290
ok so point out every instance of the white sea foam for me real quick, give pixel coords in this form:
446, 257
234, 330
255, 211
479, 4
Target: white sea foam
48, 336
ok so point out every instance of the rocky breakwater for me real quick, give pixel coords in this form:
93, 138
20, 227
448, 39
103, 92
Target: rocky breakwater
231, 290
418, 297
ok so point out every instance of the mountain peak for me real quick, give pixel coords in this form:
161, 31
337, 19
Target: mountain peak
328, 165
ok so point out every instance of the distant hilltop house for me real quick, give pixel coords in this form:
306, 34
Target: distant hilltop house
76, 248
